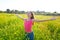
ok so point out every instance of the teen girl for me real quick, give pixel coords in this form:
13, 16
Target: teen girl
29, 22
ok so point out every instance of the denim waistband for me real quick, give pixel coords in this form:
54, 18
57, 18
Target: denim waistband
28, 33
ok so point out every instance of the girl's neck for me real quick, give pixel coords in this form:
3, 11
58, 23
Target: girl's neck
29, 18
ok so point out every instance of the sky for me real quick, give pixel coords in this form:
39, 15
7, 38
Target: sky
31, 5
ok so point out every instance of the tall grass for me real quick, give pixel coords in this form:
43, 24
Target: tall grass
12, 28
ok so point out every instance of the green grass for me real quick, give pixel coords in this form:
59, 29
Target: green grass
12, 28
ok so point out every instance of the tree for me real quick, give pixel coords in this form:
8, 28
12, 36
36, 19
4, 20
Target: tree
22, 11
1, 11
12, 11
55, 12
8, 10
16, 11
38, 11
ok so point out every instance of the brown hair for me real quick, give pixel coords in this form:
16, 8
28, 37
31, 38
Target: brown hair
32, 15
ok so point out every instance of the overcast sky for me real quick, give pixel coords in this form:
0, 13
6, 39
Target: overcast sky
31, 5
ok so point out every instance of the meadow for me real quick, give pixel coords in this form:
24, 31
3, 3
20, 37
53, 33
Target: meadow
12, 28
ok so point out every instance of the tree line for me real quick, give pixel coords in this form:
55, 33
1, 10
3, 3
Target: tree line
12, 11
36, 12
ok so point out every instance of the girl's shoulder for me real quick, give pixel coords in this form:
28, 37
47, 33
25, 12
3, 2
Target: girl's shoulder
28, 19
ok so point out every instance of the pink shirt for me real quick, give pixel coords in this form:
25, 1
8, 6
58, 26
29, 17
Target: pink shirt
28, 25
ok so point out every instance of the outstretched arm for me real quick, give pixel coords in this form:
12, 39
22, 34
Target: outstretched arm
35, 20
19, 16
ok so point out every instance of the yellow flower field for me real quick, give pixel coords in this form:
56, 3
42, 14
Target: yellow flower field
11, 28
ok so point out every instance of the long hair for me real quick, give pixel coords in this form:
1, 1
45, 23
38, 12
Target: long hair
32, 15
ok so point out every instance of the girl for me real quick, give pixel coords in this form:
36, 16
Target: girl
29, 22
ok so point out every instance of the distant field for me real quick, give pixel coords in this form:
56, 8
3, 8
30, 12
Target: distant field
11, 28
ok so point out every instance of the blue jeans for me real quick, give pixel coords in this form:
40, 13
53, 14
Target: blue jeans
29, 36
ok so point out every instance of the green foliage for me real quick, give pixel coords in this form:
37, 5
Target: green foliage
11, 28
